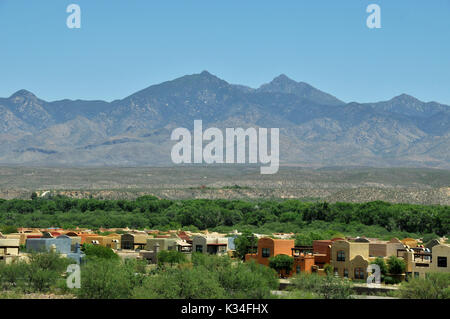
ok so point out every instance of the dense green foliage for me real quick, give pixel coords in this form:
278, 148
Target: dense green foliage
376, 219
324, 287
434, 286
109, 278
245, 243
281, 263
395, 265
210, 277
98, 251
41, 274
205, 277
171, 257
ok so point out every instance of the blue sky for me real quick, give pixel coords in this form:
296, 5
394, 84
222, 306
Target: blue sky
127, 45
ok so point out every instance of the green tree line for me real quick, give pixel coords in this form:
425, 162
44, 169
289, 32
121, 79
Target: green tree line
265, 215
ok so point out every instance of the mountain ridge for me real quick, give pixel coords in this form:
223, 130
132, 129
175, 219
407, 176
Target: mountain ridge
315, 127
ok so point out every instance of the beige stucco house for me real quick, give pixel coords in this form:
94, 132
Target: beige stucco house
350, 259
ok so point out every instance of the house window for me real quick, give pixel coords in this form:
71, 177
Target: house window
199, 248
442, 262
346, 273
359, 273
340, 255
266, 252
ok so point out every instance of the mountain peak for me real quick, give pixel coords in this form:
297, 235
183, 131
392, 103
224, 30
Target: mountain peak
23, 94
284, 84
282, 78
404, 96
206, 73
208, 76
405, 99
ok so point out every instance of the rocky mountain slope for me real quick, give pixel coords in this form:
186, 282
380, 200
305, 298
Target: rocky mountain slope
316, 128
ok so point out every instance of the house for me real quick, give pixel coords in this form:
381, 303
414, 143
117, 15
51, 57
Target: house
350, 259
432, 243
420, 261
231, 244
322, 252
164, 243
169, 244
185, 237
105, 241
304, 260
441, 258
410, 242
113, 240
211, 245
61, 244
21, 237
75, 238
133, 241
9, 249
269, 247
385, 248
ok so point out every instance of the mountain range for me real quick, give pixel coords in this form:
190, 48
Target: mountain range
316, 128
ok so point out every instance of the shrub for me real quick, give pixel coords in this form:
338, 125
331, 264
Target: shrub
41, 279
50, 261
396, 266
248, 280
281, 263
181, 283
171, 257
325, 287
12, 275
244, 244
105, 279
434, 286
99, 252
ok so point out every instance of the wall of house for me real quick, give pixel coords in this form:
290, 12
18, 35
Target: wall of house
62, 244
276, 247
356, 256
164, 243
377, 249
440, 251
303, 264
199, 241
9, 246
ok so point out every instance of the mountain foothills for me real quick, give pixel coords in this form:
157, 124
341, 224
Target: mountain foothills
315, 127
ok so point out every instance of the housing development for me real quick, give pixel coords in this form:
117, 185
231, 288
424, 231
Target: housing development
347, 258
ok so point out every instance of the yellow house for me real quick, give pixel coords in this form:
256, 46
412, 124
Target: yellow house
440, 258
21, 237
9, 248
419, 263
105, 241
350, 259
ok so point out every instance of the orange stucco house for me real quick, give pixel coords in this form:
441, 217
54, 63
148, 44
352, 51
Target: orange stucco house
269, 247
